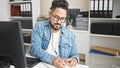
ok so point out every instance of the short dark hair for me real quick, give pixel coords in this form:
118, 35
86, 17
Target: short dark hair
59, 4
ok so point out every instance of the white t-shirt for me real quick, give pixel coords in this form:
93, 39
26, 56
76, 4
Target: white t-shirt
53, 44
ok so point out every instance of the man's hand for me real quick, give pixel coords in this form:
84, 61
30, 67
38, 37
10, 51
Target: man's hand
59, 63
71, 62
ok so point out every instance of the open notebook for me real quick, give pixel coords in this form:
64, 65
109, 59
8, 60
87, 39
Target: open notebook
45, 65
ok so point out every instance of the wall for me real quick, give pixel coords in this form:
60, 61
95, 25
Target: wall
35, 10
4, 16
116, 8
82, 4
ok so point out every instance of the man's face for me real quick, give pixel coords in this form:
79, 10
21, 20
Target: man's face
57, 18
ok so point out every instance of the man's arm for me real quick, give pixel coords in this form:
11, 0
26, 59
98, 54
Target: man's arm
36, 48
74, 56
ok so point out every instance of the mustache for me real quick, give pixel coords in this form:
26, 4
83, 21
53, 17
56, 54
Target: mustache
57, 24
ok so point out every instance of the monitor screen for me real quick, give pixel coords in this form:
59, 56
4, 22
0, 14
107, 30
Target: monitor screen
73, 14
11, 43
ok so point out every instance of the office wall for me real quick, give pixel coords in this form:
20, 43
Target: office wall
4, 15
82, 4
35, 10
116, 8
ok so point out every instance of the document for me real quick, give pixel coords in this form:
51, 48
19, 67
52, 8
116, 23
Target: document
45, 65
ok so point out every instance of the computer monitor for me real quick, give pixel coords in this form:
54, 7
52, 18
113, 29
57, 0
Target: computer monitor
73, 14
11, 43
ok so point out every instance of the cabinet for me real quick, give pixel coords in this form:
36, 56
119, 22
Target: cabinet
21, 11
82, 23
27, 12
110, 41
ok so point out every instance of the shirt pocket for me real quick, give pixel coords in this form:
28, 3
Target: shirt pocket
44, 38
65, 49
44, 41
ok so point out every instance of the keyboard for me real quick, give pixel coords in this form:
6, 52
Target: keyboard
32, 61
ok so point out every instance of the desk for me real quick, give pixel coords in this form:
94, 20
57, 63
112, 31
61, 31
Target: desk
45, 65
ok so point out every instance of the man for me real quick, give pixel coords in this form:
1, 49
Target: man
51, 41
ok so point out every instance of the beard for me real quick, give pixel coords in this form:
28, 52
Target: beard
56, 26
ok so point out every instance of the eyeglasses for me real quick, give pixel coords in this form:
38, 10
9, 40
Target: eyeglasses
57, 18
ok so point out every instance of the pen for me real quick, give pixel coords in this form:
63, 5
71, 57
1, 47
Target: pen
56, 53
59, 57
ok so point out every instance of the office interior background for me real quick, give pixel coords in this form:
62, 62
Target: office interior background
96, 24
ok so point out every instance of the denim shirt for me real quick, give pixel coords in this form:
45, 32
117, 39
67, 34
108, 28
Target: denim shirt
40, 40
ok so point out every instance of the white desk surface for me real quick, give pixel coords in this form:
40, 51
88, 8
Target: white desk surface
45, 65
